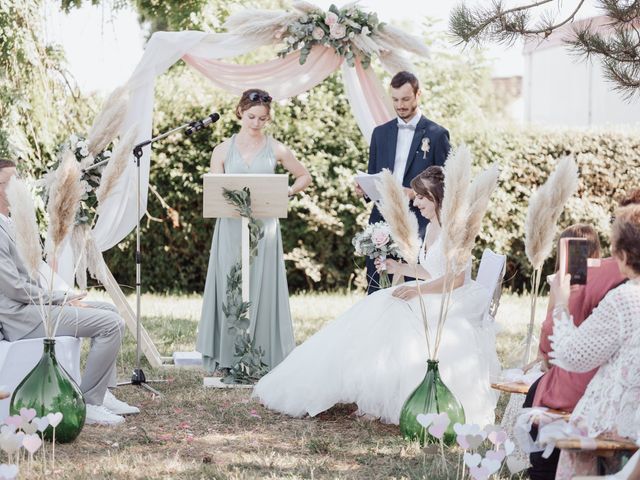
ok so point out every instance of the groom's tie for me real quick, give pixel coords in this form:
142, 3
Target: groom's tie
406, 126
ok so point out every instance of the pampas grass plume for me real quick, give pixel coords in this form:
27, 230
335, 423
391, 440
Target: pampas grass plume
545, 206
23, 214
394, 207
117, 164
64, 201
455, 204
479, 195
108, 122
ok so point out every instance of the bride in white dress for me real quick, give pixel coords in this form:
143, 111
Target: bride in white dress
374, 355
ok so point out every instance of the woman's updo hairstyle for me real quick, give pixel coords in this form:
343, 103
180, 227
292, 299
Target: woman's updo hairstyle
430, 184
251, 98
625, 235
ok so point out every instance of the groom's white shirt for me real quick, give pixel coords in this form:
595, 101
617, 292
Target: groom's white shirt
403, 144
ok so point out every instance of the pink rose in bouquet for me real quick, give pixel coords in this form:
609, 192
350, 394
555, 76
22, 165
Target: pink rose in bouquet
380, 237
338, 31
318, 33
330, 18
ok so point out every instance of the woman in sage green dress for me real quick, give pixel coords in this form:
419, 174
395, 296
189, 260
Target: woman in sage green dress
250, 151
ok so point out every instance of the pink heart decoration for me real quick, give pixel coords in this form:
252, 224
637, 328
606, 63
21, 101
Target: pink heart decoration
32, 443
471, 459
54, 419
28, 413
497, 455
462, 441
437, 430
15, 420
479, 473
8, 472
41, 423
497, 438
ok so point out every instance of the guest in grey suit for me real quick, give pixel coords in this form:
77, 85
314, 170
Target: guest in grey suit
406, 145
20, 318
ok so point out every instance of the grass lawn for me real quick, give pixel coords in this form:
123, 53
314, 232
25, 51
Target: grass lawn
195, 433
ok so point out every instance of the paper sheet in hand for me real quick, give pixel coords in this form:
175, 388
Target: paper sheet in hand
368, 183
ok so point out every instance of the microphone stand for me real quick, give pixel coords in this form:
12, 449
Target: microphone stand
138, 378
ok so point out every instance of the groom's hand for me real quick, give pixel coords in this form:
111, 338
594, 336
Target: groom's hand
358, 189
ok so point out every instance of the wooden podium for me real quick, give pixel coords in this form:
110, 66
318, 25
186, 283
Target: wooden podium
269, 199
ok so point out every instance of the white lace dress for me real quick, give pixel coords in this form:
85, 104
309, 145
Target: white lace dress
375, 355
609, 339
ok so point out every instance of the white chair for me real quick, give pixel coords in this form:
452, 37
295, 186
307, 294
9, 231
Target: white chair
490, 274
18, 358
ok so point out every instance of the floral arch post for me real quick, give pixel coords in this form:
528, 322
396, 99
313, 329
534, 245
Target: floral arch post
316, 44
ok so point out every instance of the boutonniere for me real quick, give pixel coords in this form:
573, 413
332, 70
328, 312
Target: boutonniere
425, 147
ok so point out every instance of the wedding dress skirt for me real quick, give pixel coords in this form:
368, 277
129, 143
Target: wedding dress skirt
375, 355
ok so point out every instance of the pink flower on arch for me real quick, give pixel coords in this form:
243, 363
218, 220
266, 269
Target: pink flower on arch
338, 31
331, 18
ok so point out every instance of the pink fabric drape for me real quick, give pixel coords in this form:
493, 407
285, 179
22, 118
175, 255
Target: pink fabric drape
376, 98
282, 78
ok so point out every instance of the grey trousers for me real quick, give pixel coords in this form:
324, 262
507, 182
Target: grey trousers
101, 323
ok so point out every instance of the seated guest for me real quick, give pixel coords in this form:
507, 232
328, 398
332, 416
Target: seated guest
20, 318
558, 388
609, 340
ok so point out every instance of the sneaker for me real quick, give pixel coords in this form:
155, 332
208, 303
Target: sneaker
99, 415
118, 406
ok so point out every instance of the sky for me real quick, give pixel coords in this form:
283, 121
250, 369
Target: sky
103, 47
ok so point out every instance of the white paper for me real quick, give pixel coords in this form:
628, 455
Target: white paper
368, 184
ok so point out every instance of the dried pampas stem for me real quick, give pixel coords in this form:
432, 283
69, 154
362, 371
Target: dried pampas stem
394, 207
117, 165
95, 261
64, 200
23, 214
78, 246
108, 122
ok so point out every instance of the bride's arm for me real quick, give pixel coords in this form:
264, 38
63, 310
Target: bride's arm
409, 291
398, 268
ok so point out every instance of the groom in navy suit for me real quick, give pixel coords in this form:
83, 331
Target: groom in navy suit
406, 145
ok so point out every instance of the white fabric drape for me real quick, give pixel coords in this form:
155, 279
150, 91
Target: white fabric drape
117, 215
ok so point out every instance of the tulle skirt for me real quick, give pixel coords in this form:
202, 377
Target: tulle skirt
375, 355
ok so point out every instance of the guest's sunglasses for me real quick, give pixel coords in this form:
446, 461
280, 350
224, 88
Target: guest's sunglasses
255, 97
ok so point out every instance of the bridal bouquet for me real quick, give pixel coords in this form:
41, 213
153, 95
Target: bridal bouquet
376, 242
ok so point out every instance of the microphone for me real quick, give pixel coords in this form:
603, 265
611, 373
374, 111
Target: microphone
200, 124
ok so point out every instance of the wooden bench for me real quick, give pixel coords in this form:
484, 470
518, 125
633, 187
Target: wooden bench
511, 387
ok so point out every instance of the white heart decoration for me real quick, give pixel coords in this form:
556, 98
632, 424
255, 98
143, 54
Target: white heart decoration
41, 423
32, 443
490, 465
471, 460
515, 465
54, 419
11, 442
509, 447
497, 437
8, 472
474, 441
28, 427
426, 419
479, 473
6, 429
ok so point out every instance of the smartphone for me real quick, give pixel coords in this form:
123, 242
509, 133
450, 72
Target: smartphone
573, 259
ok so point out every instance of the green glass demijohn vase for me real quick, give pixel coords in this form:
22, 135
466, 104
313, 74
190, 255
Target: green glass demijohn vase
48, 388
431, 396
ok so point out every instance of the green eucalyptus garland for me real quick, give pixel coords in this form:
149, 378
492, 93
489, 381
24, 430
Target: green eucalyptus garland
249, 366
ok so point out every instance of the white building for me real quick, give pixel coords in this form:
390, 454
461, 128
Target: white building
561, 88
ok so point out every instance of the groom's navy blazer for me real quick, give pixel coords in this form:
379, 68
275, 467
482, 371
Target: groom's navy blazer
382, 154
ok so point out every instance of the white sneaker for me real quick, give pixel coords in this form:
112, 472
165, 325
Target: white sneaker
118, 406
99, 415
